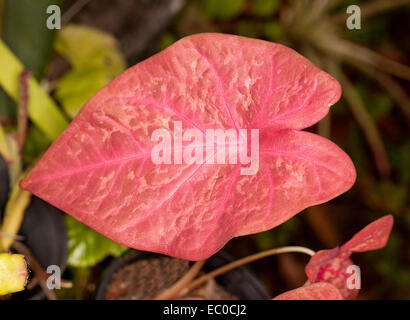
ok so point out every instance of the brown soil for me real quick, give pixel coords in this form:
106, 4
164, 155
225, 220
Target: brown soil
146, 278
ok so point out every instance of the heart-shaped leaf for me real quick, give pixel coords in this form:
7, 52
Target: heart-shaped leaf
100, 169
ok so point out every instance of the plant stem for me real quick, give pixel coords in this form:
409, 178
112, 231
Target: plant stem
348, 50
22, 120
40, 274
42, 109
181, 283
245, 260
13, 216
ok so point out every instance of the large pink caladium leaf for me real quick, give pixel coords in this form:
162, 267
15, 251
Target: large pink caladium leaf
315, 291
100, 169
331, 266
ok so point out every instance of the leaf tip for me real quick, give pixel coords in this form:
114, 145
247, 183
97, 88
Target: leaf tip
337, 91
25, 184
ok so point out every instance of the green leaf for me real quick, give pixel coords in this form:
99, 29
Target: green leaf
42, 109
8, 108
247, 29
26, 34
264, 8
273, 31
35, 143
380, 106
87, 247
166, 40
400, 157
96, 61
87, 47
389, 196
78, 85
4, 148
15, 162
223, 9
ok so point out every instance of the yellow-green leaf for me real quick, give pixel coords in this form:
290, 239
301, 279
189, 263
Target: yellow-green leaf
87, 47
78, 85
223, 9
13, 273
36, 142
15, 162
4, 148
96, 61
264, 8
13, 216
41, 108
87, 247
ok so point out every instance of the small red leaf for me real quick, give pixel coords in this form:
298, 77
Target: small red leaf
331, 265
316, 291
372, 237
318, 260
333, 271
99, 170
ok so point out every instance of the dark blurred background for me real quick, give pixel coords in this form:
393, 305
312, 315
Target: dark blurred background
371, 122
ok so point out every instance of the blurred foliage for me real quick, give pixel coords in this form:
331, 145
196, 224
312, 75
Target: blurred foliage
96, 60
42, 110
25, 33
371, 122
36, 142
87, 47
222, 9
87, 247
263, 8
4, 148
281, 237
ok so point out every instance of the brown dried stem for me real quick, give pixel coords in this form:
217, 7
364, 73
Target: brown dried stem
38, 270
181, 283
22, 120
194, 284
365, 121
349, 50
